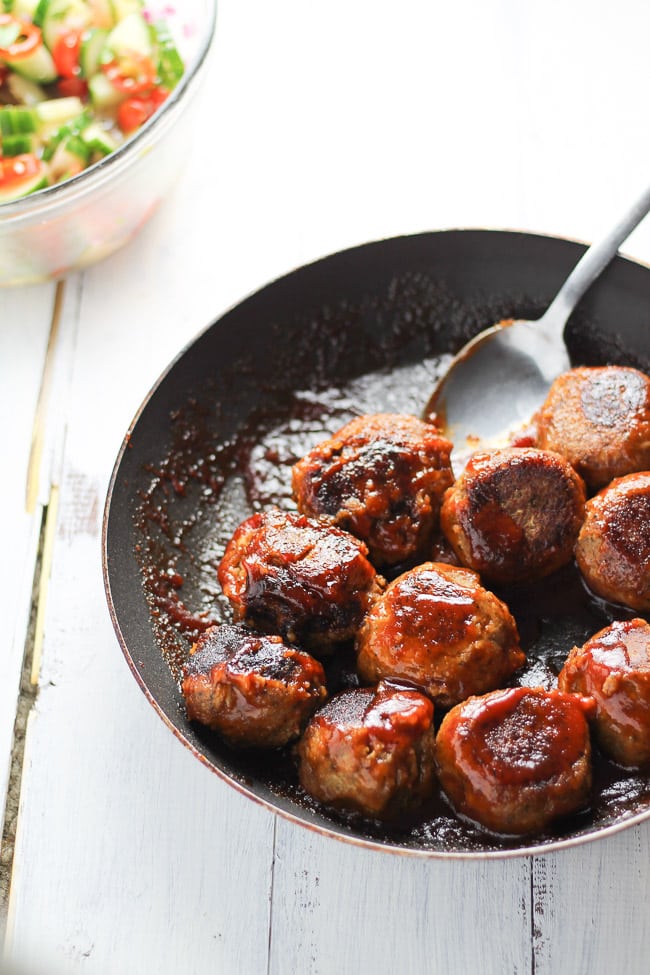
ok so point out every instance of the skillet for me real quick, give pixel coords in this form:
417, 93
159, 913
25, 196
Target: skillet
364, 330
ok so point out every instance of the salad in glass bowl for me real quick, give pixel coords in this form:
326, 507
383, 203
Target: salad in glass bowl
93, 99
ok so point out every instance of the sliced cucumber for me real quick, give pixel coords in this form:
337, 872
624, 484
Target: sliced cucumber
122, 8
38, 67
58, 135
170, 63
60, 16
40, 11
102, 93
58, 111
24, 8
17, 120
92, 45
130, 36
17, 145
98, 139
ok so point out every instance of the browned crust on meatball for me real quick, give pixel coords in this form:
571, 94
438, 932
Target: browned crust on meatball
599, 419
613, 667
371, 751
437, 627
516, 759
308, 581
251, 688
613, 547
514, 514
380, 477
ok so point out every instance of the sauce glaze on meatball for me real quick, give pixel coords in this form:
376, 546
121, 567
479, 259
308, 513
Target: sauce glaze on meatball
514, 514
381, 477
599, 419
437, 627
371, 751
613, 667
251, 688
308, 581
613, 547
514, 760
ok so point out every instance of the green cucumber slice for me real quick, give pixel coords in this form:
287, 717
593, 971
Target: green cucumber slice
17, 145
102, 93
58, 111
170, 63
24, 8
122, 8
61, 16
98, 140
130, 36
17, 120
92, 45
38, 67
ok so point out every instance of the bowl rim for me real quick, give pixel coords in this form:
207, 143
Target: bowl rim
100, 171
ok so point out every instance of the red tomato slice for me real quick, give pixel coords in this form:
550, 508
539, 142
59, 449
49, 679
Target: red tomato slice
65, 53
27, 38
18, 169
134, 112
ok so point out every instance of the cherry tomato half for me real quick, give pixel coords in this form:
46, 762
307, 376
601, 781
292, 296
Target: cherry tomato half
26, 38
17, 169
65, 53
134, 112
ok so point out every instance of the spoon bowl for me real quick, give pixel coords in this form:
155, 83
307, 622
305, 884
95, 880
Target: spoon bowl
500, 378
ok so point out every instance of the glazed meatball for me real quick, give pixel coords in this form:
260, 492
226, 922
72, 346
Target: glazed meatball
371, 751
382, 478
437, 627
613, 547
613, 668
516, 759
309, 582
251, 688
514, 514
599, 419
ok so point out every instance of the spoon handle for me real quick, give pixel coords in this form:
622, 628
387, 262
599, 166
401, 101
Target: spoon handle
590, 265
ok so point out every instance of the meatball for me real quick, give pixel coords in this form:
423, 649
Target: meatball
437, 627
382, 478
613, 547
613, 667
514, 514
599, 419
309, 582
251, 688
371, 751
516, 759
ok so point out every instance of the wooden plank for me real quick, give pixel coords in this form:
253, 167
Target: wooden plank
342, 909
591, 907
155, 849
24, 326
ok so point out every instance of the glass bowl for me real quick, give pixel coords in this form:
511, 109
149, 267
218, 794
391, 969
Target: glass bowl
72, 224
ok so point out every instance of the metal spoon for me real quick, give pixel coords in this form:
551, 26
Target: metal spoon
501, 377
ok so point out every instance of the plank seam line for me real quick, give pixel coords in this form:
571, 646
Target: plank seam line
271, 887
27, 696
38, 429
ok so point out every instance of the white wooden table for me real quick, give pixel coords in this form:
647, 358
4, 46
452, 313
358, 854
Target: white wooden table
325, 125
